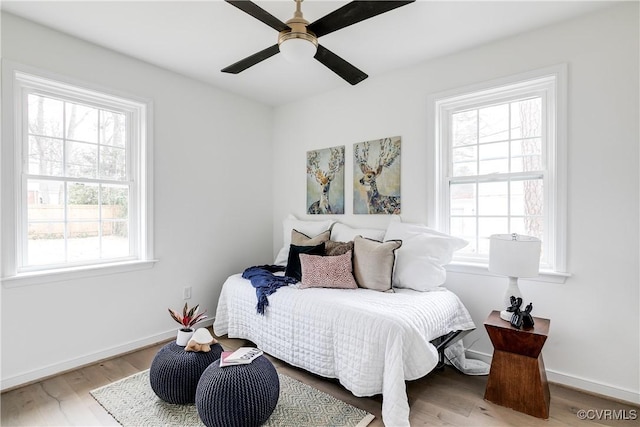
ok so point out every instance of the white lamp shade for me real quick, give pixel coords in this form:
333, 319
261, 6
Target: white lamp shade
297, 49
514, 255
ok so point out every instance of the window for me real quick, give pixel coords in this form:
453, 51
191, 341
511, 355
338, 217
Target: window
499, 156
82, 180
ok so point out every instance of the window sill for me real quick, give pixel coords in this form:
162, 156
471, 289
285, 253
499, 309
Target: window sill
547, 276
51, 276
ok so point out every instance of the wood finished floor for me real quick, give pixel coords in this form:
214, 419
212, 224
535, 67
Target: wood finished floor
441, 398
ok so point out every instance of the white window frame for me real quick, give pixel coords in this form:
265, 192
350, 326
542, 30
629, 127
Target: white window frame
549, 83
18, 80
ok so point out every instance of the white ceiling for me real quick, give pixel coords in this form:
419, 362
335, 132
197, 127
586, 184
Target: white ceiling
199, 38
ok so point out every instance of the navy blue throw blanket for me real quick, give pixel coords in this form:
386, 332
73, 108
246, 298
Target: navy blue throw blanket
265, 282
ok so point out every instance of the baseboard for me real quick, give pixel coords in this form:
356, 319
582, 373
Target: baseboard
581, 384
88, 359
594, 387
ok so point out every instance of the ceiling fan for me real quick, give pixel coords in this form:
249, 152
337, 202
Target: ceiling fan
298, 38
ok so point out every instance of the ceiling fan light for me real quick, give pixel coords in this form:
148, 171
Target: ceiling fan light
298, 49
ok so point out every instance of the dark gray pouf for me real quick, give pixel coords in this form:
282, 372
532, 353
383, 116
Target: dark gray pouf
238, 396
174, 372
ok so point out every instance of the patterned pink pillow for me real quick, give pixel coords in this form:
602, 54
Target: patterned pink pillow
327, 271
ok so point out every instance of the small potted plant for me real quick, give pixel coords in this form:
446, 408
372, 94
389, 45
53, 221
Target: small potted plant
188, 318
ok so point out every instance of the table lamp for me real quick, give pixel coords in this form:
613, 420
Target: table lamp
515, 256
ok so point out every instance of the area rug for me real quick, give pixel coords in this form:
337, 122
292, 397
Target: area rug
132, 402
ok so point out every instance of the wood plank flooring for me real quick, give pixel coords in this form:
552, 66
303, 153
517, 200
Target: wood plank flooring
444, 397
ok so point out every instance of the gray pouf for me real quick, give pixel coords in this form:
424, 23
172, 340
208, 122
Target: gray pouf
238, 396
174, 372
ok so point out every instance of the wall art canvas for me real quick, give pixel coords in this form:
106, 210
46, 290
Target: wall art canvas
325, 181
376, 176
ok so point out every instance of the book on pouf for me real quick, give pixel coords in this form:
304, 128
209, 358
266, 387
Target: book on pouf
242, 356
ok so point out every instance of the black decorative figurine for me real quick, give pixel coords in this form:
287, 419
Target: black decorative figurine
515, 304
520, 319
527, 319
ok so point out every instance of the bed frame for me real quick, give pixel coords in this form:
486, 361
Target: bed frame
441, 343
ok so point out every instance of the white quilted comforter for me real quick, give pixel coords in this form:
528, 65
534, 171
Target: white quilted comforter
370, 341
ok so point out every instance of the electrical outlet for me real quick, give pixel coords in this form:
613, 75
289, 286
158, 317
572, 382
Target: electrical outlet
186, 293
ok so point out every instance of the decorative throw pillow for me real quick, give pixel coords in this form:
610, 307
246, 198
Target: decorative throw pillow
424, 253
310, 228
301, 239
332, 248
293, 264
344, 233
327, 271
373, 262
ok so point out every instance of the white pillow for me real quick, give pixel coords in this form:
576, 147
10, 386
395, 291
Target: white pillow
421, 259
344, 233
310, 228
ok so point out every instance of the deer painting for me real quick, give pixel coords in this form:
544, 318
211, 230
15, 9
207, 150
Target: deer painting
324, 177
389, 152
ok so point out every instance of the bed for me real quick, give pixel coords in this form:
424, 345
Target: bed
388, 321
370, 341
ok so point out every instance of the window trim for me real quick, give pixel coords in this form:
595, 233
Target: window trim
15, 77
555, 158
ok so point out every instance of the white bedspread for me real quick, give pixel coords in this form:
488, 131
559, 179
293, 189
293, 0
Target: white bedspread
370, 341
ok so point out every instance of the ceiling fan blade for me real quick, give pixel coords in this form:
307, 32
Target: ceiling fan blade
352, 13
259, 13
339, 66
252, 60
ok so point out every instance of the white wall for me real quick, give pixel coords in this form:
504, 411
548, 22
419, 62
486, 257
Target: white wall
211, 217
594, 338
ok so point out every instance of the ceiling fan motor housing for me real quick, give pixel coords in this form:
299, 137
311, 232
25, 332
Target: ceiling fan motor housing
297, 30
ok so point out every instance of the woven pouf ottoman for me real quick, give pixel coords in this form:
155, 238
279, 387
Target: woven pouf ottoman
174, 372
238, 396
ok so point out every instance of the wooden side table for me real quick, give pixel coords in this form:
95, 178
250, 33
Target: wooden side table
517, 378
